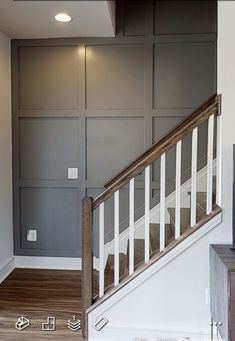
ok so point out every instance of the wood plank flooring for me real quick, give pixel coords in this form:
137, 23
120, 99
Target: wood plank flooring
38, 294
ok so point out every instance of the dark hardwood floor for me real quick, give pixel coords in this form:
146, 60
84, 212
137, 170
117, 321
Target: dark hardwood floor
38, 294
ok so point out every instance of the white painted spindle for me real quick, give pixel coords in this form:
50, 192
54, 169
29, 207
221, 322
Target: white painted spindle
162, 201
116, 238
147, 208
177, 189
131, 225
218, 160
101, 249
194, 178
210, 164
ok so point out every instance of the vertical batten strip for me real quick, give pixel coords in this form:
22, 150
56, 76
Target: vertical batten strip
194, 178
210, 164
131, 224
147, 208
116, 238
162, 201
177, 189
218, 160
101, 249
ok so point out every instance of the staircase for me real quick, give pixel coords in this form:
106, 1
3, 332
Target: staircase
176, 221
154, 233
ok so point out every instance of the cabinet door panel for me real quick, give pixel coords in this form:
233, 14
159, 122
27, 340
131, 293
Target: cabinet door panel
219, 294
232, 307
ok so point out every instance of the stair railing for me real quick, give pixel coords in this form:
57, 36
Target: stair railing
208, 111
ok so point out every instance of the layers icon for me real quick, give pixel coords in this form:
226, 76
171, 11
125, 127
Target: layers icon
74, 324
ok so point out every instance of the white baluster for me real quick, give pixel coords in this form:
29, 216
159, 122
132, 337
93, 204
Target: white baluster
131, 225
162, 201
101, 249
116, 238
210, 164
177, 189
194, 178
218, 160
147, 207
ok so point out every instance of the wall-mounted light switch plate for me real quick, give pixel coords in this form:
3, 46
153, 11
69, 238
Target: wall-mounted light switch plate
32, 235
73, 173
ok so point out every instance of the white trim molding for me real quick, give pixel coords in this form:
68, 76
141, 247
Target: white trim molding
6, 269
52, 263
56, 263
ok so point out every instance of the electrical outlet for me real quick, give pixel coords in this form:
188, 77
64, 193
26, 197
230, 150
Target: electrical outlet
73, 173
32, 235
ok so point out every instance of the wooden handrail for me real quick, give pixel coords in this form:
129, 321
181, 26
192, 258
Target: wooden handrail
87, 260
200, 115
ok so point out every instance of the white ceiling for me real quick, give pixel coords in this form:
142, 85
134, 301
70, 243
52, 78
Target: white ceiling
35, 19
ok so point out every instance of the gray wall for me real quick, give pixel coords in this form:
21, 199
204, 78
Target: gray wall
6, 225
96, 104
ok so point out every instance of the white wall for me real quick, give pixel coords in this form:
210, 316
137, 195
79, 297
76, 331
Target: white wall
174, 300
6, 235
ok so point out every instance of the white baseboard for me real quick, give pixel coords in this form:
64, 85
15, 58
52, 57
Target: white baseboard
53, 263
56, 263
6, 269
124, 333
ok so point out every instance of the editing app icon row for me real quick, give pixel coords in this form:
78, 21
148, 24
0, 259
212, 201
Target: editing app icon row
50, 324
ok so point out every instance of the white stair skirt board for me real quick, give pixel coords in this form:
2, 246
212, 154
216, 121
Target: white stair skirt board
56, 263
6, 269
96, 311
152, 333
154, 213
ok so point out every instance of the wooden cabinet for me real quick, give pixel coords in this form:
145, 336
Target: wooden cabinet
222, 290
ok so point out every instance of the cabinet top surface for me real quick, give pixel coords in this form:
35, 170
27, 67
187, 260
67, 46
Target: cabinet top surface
226, 255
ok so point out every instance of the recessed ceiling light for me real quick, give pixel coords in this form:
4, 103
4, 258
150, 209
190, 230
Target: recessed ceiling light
63, 17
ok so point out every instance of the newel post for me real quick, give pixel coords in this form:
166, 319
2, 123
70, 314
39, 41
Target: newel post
87, 260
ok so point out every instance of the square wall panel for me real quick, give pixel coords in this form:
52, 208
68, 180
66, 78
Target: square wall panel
134, 18
112, 143
185, 17
48, 146
48, 77
163, 125
115, 77
184, 74
53, 212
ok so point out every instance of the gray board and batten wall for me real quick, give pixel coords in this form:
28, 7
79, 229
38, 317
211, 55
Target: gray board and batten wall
95, 104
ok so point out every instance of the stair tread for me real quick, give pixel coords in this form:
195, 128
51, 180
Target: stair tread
139, 248
201, 198
109, 268
155, 235
184, 217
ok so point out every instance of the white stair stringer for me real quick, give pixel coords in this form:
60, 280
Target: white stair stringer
155, 212
108, 304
